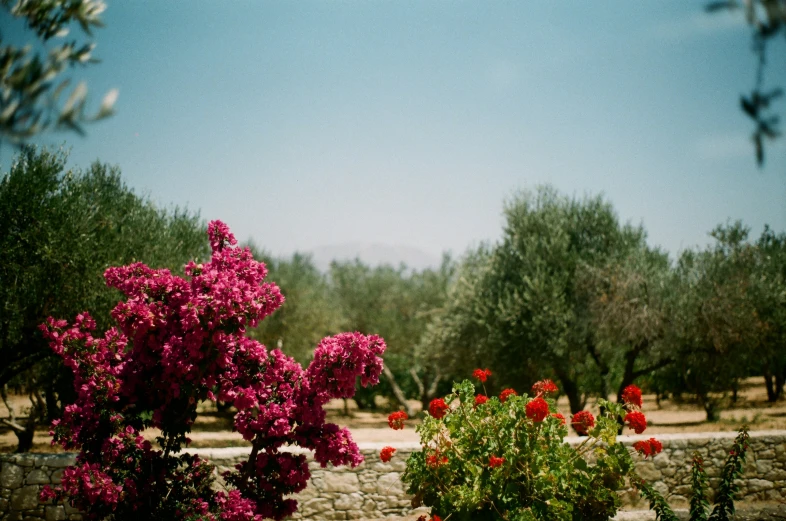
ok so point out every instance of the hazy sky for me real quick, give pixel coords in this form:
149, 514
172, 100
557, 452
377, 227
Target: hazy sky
303, 124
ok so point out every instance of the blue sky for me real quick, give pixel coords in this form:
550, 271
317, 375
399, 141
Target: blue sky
304, 124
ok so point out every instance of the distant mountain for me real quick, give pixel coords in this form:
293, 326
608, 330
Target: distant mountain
374, 255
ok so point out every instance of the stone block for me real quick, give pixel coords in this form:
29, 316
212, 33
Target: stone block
25, 498
316, 506
648, 472
37, 477
25, 460
55, 513
352, 501
757, 485
390, 485
341, 482
11, 475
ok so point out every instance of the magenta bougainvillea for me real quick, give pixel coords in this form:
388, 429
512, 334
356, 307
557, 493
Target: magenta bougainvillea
179, 342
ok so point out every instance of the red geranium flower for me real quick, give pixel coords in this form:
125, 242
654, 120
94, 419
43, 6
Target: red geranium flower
436, 459
481, 374
437, 408
583, 421
632, 395
386, 453
396, 420
537, 410
648, 448
507, 393
544, 387
560, 417
636, 421
481, 399
435, 517
495, 462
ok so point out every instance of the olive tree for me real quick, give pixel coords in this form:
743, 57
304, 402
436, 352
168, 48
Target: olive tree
59, 230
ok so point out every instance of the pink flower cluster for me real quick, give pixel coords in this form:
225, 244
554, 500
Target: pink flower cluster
181, 341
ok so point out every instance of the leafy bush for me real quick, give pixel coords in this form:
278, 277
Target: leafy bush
699, 505
181, 341
489, 458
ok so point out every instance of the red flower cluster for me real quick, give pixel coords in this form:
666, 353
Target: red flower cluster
436, 459
181, 341
648, 448
495, 462
583, 421
632, 395
481, 374
437, 408
386, 453
537, 410
396, 420
480, 399
434, 517
636, 421
507, 393
544, 387
560, 417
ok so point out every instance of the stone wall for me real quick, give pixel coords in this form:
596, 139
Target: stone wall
374, 489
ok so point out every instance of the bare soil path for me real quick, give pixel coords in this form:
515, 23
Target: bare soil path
214, 429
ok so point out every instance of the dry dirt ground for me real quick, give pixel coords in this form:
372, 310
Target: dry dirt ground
214, 429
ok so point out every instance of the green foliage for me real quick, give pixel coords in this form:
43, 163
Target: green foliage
698, 500
629, 309
724, 500
396, 304
732, 469
662, 509
767, 19
769, 290
493, 461
32, 85
715, 326
59, 230
522, 306
309, 312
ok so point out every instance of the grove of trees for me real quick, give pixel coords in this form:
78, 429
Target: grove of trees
59, 230
569, 292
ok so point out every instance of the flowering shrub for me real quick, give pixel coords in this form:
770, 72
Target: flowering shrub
396, 420
437, 408
632, 395
647, 448
636, 421
507, 393
481, 375
386, 454
544, 387
537, 410
582, 422
699, 505
179, 342
507, 459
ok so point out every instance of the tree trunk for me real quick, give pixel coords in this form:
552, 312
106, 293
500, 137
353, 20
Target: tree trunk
769, 383
52, 409
710, 408
571, 390
24, 434
602, 367
427, 389
780, 379
397, 391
